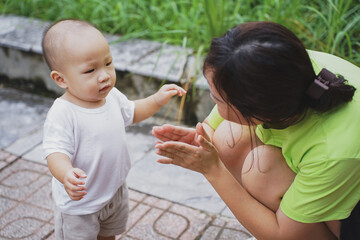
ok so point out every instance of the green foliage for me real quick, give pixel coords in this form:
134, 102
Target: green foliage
326, 25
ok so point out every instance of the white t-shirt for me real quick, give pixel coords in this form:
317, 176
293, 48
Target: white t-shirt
95, 141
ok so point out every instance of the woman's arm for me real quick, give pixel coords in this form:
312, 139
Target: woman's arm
262, 222
259, 220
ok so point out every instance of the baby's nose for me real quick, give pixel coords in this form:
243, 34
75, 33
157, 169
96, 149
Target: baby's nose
104, 76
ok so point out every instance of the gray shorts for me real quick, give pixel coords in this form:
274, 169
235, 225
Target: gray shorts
108, 221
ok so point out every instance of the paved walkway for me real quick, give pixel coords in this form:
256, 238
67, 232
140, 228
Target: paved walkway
166, 202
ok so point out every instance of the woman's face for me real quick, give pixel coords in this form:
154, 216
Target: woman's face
226, 110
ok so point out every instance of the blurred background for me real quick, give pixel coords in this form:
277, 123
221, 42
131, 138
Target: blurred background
331, 26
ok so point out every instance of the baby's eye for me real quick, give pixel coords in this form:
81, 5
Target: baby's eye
90, 71
109, 63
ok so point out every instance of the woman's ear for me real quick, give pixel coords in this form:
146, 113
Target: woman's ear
58, 79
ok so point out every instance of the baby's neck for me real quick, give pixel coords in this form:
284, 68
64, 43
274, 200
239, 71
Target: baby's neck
81, 102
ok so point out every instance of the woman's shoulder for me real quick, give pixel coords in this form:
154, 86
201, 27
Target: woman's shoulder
336, 65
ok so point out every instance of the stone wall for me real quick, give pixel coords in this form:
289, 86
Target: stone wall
141, 66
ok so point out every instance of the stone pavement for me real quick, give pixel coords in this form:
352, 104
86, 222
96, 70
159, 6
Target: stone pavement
166, 202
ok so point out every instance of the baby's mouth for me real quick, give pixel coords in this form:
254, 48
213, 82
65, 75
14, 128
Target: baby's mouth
105, 88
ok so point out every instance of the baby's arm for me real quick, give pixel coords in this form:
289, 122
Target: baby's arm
61, 168
145, 108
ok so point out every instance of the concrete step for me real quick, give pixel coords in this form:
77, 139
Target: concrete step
136, 61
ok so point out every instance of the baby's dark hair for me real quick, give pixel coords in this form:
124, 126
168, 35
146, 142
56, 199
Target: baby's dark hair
264, 70
52, 41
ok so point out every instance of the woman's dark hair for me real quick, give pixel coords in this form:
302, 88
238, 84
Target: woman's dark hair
264, 70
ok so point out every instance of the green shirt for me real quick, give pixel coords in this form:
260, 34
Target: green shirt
324, 152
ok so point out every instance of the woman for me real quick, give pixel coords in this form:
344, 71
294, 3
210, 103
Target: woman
305, 181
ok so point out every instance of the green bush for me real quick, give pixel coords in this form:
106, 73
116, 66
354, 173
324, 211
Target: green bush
326, 25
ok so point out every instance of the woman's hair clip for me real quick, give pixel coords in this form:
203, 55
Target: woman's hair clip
320, 84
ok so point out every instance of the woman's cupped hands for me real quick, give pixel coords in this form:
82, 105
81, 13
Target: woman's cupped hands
186, 147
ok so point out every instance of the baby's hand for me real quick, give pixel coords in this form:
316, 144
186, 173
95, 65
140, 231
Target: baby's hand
164, 94
73, 185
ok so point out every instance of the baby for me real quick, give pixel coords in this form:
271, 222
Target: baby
84, 133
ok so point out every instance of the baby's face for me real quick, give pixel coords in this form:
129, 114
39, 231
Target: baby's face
88, 68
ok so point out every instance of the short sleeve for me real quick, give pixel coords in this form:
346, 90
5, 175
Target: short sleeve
58, 133
214, 118
323, 191
127, 107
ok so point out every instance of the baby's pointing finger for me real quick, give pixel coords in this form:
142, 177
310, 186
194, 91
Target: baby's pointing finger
181, 92
180, 89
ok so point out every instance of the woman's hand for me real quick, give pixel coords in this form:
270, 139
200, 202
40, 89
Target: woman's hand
169, 132
201, 157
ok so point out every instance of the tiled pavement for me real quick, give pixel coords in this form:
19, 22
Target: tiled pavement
25, 210
25, 186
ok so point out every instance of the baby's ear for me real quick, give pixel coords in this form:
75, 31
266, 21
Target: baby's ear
58, 79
